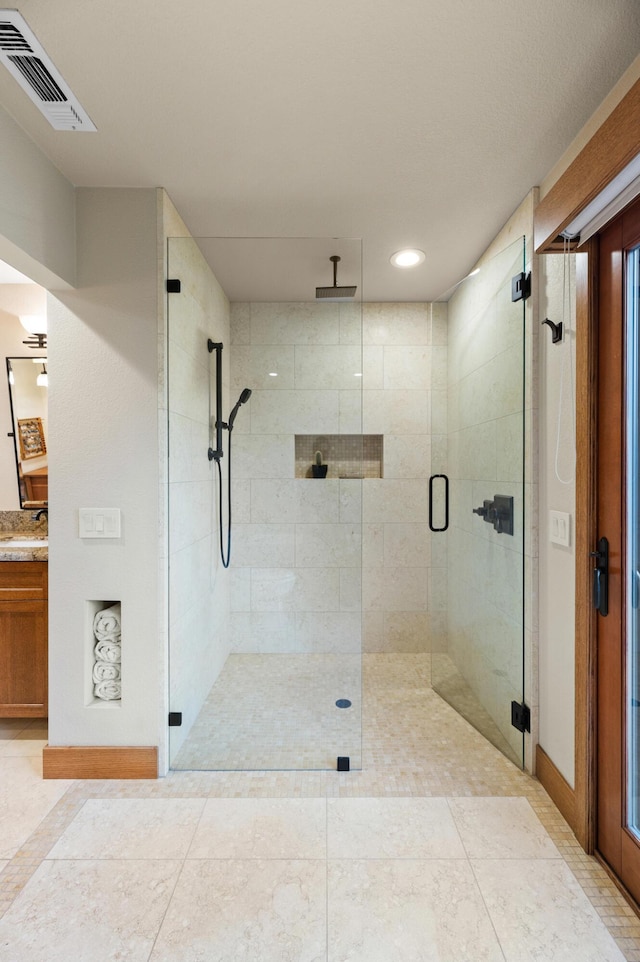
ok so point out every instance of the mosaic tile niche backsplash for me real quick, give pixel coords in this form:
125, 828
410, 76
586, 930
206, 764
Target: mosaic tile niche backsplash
345, 455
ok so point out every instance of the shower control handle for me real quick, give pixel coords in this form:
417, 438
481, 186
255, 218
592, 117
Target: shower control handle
498, 512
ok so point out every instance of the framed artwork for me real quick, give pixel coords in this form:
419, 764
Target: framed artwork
31, 438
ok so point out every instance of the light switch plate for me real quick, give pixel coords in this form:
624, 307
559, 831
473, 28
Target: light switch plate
560, 528
99, 523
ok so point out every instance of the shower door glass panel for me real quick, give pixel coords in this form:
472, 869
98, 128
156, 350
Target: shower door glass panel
477, 576
265, 655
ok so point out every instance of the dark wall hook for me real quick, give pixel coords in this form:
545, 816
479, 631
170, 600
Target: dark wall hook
556, 330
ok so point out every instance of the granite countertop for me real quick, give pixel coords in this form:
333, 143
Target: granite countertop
12, 550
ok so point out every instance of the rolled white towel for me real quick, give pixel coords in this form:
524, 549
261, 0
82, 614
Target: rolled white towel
106, 624
105, 671
108, 690
109, 651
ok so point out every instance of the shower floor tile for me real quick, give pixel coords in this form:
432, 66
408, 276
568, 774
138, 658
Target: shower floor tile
269, 712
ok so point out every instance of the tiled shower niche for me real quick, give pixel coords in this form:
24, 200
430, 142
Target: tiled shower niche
346, 455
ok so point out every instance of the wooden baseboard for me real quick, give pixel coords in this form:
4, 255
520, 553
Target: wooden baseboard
556, 786
79, 761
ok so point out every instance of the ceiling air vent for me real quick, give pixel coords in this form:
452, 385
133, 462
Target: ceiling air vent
27, 61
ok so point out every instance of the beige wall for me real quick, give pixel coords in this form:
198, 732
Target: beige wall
405, 399
296, 548
297, 557
557, 563
38, 235
104, 452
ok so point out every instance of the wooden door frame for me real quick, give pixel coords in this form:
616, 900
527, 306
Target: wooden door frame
585, 778
614, 144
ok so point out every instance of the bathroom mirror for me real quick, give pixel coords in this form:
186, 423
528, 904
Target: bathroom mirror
27, 379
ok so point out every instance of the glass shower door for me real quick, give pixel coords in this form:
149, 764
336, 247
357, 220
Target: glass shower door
478, 661
265, 655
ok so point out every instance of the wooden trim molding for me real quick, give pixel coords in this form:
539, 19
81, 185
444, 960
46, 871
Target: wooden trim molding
79, 761
585, 533
556, 786
610, 149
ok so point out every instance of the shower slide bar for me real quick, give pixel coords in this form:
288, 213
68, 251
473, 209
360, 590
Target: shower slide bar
216, 453
446, 502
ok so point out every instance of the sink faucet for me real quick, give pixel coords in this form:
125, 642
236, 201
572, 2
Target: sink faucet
37, 516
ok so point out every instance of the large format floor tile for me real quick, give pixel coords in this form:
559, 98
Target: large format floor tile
409, 910
392, 828
88, 911
435, 811
237, 828
114, 828
25, 799
253, 910
540, 912
501, 828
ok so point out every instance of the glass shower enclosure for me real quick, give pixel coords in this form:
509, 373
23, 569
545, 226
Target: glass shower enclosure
379, 503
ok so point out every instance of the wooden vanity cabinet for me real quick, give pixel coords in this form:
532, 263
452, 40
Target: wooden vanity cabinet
23, 639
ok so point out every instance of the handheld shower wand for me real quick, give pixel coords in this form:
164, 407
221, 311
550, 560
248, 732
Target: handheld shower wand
244, 397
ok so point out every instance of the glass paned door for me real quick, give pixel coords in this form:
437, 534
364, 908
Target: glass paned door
616, 529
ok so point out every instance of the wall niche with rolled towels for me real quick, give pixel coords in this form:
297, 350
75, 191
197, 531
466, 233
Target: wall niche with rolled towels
104, 677
338, 456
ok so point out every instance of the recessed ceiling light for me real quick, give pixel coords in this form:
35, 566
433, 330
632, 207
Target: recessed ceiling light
410, 257
358, 374
273, 373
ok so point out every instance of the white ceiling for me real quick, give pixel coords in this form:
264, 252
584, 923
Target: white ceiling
418, 123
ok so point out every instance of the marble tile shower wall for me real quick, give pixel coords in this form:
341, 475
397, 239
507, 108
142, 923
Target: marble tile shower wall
324, 566
198, 584
485, 587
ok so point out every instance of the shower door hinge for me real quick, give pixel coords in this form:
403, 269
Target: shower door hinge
521, 287
175, 719
521, 716
173, 285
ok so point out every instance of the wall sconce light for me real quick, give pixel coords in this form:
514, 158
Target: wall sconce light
36, 326
42, 379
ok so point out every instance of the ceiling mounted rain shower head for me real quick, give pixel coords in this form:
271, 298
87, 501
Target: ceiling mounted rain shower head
335, 291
